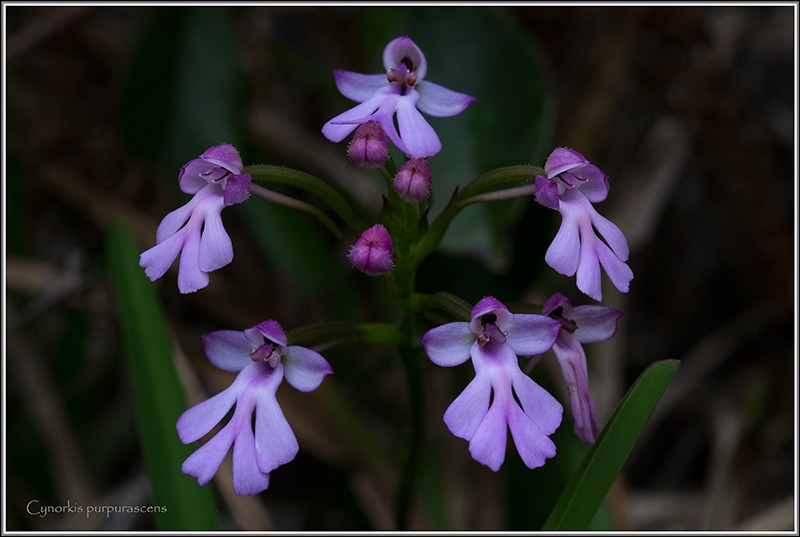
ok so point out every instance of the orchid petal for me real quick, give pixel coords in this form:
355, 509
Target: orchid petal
533, 445
157, 260
305, 369
205, 461
466, 412
546, 192
572, 360
618, 272
228, 350
588, 275
190, 276
563, 254
595, 323
225, 156
358, 87
338, 128
270, 329
174, 220
216, 249
537, 403
488, 444
531, 334
191, 177
438, 101
611, 233
237, 189
403, 47
418, 136
248, 479
276, 443
448, 345
197, 421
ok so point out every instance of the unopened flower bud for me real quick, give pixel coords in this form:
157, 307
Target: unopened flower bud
413, 180
372, 253
369, 147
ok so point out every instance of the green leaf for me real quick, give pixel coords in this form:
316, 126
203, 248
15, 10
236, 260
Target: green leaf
584, 494
158, 395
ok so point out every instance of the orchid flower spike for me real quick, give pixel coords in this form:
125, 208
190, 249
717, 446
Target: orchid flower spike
580, 324
572, 185
501, 396
195, 231
402, 92
262, 359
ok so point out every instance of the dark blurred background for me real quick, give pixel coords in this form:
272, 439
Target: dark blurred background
689, 110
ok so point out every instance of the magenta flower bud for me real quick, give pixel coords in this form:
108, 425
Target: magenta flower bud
413, 180
372, 252
369, 147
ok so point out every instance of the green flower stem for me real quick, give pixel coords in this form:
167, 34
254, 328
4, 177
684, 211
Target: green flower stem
267, 173
412, 361
286, 201
501, 183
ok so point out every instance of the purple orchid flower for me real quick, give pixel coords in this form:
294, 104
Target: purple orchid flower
571, 186
195, 231
402, 92
501, 396
261, 356
580, 324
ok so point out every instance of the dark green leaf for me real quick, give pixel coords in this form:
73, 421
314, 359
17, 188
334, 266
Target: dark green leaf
158, 396
584, 494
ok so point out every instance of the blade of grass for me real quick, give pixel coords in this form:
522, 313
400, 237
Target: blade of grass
178, 502
587, 489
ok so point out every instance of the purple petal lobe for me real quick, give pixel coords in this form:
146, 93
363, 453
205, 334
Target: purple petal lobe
418, 136
237, 189
175, 220
197, 421
595, 323
228, 350
191, 177
305, 369
562, 159
572, 360
563, 254
533, 445
618, 272
275, 441
225, 156
190, 276
588, 274
488, 444
530, 334
466, 412
358, 87
537, 403
448, 345
157, 260
546, 192
438, 101
273, 331
403, 47
248, 479
205, 461
216, 249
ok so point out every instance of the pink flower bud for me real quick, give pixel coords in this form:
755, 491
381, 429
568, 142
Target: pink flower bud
369, 147
372, 253
413, 180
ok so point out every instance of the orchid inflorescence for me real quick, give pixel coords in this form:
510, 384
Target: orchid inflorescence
500, 397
